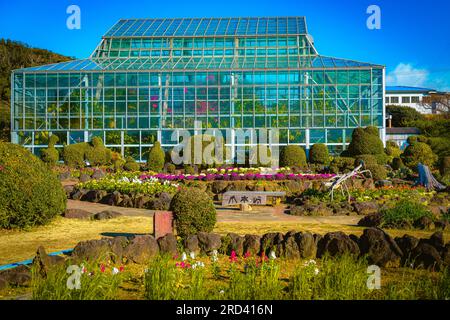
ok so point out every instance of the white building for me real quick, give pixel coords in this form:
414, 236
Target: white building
410, 97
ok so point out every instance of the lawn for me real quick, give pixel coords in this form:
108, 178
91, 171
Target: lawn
66, 233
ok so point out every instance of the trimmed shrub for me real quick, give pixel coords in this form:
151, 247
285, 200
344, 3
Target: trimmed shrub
260, 156
365, 141
319, 154
416, 153
403, 214
397, 163
73, 154
380, 159
379, 172
156, 158
170, 168
292, 156
50, 155
189, 170
30, 193
131, 164
342, 164
193, 212
392, 150
117, 160
97, 154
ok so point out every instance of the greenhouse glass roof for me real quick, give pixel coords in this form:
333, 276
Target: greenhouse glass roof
201, 63
201, 27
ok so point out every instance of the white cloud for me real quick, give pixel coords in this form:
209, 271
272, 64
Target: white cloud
405, 74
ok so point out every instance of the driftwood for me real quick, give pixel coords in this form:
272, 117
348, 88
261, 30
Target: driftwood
427, 179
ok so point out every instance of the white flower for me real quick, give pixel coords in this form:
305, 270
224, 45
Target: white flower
192, 255
183, 256
221, 291
145, 270
272, 255
115, 270
316, 271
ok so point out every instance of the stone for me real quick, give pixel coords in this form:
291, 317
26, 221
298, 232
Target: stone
245, 207
94, 196
19, 276
290, 246
106, 215
364, 208
45, 262
77, 194
306, 245
191, 244
118, 245
252, 244
141, 249
92, 250
424, 223
162, 223
3, 283
371, 220
64, 176
162, 202
68, 190
336, 243
85, 177
98, 174
141, 201
79, 214
209, 242
235, 243
168, 244
380, 248
436, 240
407, 243
426, 256
127, 201
219, 186
272, 242
317, 238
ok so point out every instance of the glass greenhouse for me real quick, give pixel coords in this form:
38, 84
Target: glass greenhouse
149, 78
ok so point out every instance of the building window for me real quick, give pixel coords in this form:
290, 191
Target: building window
387, 100
415, 99
394, 99
406, 99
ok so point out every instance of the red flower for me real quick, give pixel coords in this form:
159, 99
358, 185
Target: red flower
102, 268
121, 268
247, 255
233, 257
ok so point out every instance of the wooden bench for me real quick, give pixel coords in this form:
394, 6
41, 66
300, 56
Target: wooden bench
247, 198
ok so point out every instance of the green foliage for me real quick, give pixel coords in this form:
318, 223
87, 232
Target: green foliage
30, 193
403, 214
95, 284
342, 164
440, 146
444, 167
193, 211
401, 116
156, 158
260, 156
170, 168
50, 155
292, 156
131, 164
342, 277
365, 141
189, 169
397, 163
418, 152
378, 171
392, 150
117, 161
433, 126
319, 154
95, 153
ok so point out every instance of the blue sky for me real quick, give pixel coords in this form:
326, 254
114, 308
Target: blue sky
413, 42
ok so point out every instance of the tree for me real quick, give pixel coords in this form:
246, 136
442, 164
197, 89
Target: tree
365, 141
418, 152
402, 115
437, 102
319, 154
156, 158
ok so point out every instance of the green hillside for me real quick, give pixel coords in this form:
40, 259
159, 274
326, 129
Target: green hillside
16, 55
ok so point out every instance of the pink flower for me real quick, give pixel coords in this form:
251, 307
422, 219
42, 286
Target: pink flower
247, 255
233, 257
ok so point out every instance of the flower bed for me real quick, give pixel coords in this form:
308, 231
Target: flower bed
127, 185
236, 176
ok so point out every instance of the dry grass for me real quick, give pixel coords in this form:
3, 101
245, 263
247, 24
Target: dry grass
65, 234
